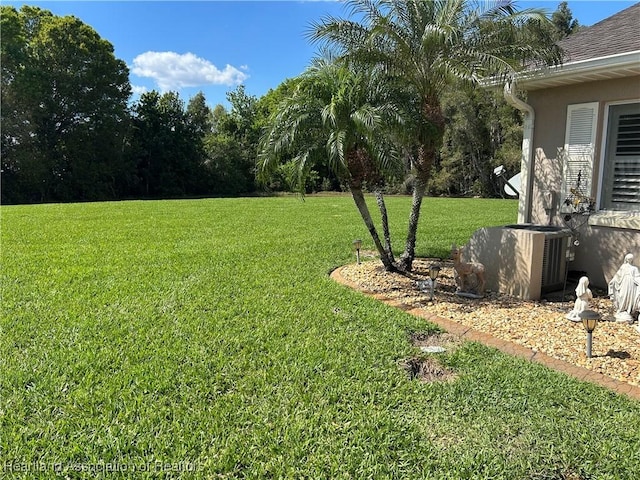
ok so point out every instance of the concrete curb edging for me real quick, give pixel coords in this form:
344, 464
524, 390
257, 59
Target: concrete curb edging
509, 348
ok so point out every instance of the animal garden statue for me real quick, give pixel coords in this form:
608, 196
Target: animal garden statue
583, 296
469, 275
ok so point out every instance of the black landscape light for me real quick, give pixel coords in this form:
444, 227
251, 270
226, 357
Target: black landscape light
357, 244
589, 320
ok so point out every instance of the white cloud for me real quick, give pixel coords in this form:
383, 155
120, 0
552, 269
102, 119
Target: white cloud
172, 71
138, 90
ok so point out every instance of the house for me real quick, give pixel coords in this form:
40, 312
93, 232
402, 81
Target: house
581, 151
580, 165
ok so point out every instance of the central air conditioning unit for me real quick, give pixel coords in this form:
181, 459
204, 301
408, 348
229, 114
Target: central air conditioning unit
523, 260
554, 253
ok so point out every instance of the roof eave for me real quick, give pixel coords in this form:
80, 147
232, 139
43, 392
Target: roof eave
602, 68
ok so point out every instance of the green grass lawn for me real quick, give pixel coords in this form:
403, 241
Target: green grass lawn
204, 339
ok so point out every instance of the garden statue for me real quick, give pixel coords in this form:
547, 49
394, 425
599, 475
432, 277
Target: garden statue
624, 290
583, 296
464, 272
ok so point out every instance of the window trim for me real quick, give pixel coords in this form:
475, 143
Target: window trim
610, 216
628, 219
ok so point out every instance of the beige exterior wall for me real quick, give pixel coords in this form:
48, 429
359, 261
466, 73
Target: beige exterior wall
602, 248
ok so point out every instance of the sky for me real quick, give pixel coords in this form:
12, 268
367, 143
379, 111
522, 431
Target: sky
214, 46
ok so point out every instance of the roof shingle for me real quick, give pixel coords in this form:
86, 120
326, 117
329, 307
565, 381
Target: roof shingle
617, 34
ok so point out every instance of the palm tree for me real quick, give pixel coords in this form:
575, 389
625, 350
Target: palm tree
338, 115
427, 45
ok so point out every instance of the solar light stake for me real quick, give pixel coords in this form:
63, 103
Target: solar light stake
434, 270
589, 320
357, 244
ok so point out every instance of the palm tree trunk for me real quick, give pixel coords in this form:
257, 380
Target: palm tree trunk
385, 223
432, 112
358, 198
406, 259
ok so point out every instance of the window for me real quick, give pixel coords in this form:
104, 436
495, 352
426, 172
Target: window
620, 189
618, 181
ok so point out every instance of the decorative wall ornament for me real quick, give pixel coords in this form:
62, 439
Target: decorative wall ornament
576, 208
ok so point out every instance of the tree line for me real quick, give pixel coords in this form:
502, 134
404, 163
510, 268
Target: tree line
69, 131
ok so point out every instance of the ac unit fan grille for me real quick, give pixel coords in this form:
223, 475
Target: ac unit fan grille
554, 263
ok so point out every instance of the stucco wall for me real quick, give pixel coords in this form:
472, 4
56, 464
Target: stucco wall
601, 249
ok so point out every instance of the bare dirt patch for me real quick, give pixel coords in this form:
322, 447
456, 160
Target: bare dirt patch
427, 370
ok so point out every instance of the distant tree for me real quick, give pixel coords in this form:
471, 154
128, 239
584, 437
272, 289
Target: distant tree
243, 111
231, 146
218, 118
166, 146
482, 132
64, 109
563, 22
22, 171
269, 102
199, 115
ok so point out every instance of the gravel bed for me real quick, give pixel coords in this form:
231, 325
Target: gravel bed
538, 325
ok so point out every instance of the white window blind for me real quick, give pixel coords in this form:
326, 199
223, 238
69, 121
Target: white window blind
580, 137
622, 160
